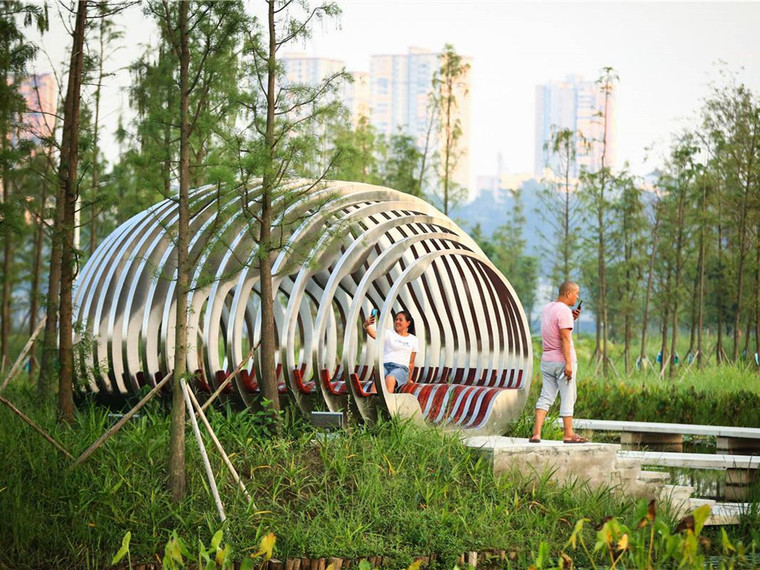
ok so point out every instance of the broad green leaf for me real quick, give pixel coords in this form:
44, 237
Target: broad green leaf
701, 514
124, 548
222, 555
725, 542
576, 531
266, 546
216, 540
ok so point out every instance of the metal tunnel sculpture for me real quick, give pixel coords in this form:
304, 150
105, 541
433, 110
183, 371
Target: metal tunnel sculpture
341, 249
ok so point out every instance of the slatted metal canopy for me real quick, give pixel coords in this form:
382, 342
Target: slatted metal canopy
340, 249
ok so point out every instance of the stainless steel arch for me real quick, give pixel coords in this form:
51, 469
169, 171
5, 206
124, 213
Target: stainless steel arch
344, 249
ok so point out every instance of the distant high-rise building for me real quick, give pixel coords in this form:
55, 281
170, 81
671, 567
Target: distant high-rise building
356, 96
312, 71
300, 68
41, 95
393, 95
576, 105
399, 90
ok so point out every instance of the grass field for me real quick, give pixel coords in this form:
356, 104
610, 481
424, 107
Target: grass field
394, 490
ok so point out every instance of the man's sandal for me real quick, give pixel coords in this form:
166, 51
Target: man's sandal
534, 439
575, 439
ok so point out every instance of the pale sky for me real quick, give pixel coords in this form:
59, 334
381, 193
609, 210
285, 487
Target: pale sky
665, 54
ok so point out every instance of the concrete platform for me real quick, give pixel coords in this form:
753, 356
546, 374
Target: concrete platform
591, 463
597, 464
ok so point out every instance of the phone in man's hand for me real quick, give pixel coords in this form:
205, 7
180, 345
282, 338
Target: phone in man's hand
374, 313
580, 304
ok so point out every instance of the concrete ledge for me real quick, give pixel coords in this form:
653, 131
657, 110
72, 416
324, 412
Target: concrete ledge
667, 428
591, 463
693, 460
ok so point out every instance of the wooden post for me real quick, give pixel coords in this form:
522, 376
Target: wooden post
117, 426
38, 429
17, 365
202, 448
218, 445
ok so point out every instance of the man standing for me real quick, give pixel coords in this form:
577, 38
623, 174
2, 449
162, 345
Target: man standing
558, 362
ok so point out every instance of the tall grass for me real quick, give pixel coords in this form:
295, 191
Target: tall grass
394, 490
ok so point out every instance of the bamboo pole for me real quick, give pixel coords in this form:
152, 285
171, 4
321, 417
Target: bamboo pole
38, 429
117, 426
202, 448
696, 354
17, 365
229, 378
227, 462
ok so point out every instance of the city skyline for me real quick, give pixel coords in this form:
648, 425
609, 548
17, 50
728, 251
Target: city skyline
665, 55
579, 106
395, 97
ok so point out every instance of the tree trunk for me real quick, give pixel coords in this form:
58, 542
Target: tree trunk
566, 252
742, 237
693, 314
6, 75
601, 210
426, 150
177, 484
676, 289
447, 150
747, 335
650, 282
701, 283
67, 175
664, 340
627, 348
757, 297
268, 380
7, 291
720, 295
37, 269
49, 363
95, 145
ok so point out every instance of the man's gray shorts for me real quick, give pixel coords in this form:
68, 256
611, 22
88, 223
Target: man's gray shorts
553, 378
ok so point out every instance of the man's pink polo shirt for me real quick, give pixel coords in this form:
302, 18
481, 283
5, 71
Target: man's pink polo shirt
556, 316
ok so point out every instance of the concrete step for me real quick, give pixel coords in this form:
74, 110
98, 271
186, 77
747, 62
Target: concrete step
591, 463
695, 503
678, 496
654, 477
726, 513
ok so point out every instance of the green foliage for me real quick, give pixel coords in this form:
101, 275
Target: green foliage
506, 249
448, 89
124, 550
559, 204
357, 152
666, 403
396, 490
402, 166
649, 543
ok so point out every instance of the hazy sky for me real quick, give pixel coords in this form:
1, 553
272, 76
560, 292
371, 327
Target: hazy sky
665, 54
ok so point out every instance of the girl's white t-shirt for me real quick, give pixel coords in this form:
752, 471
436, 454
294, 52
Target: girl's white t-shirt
398, 349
